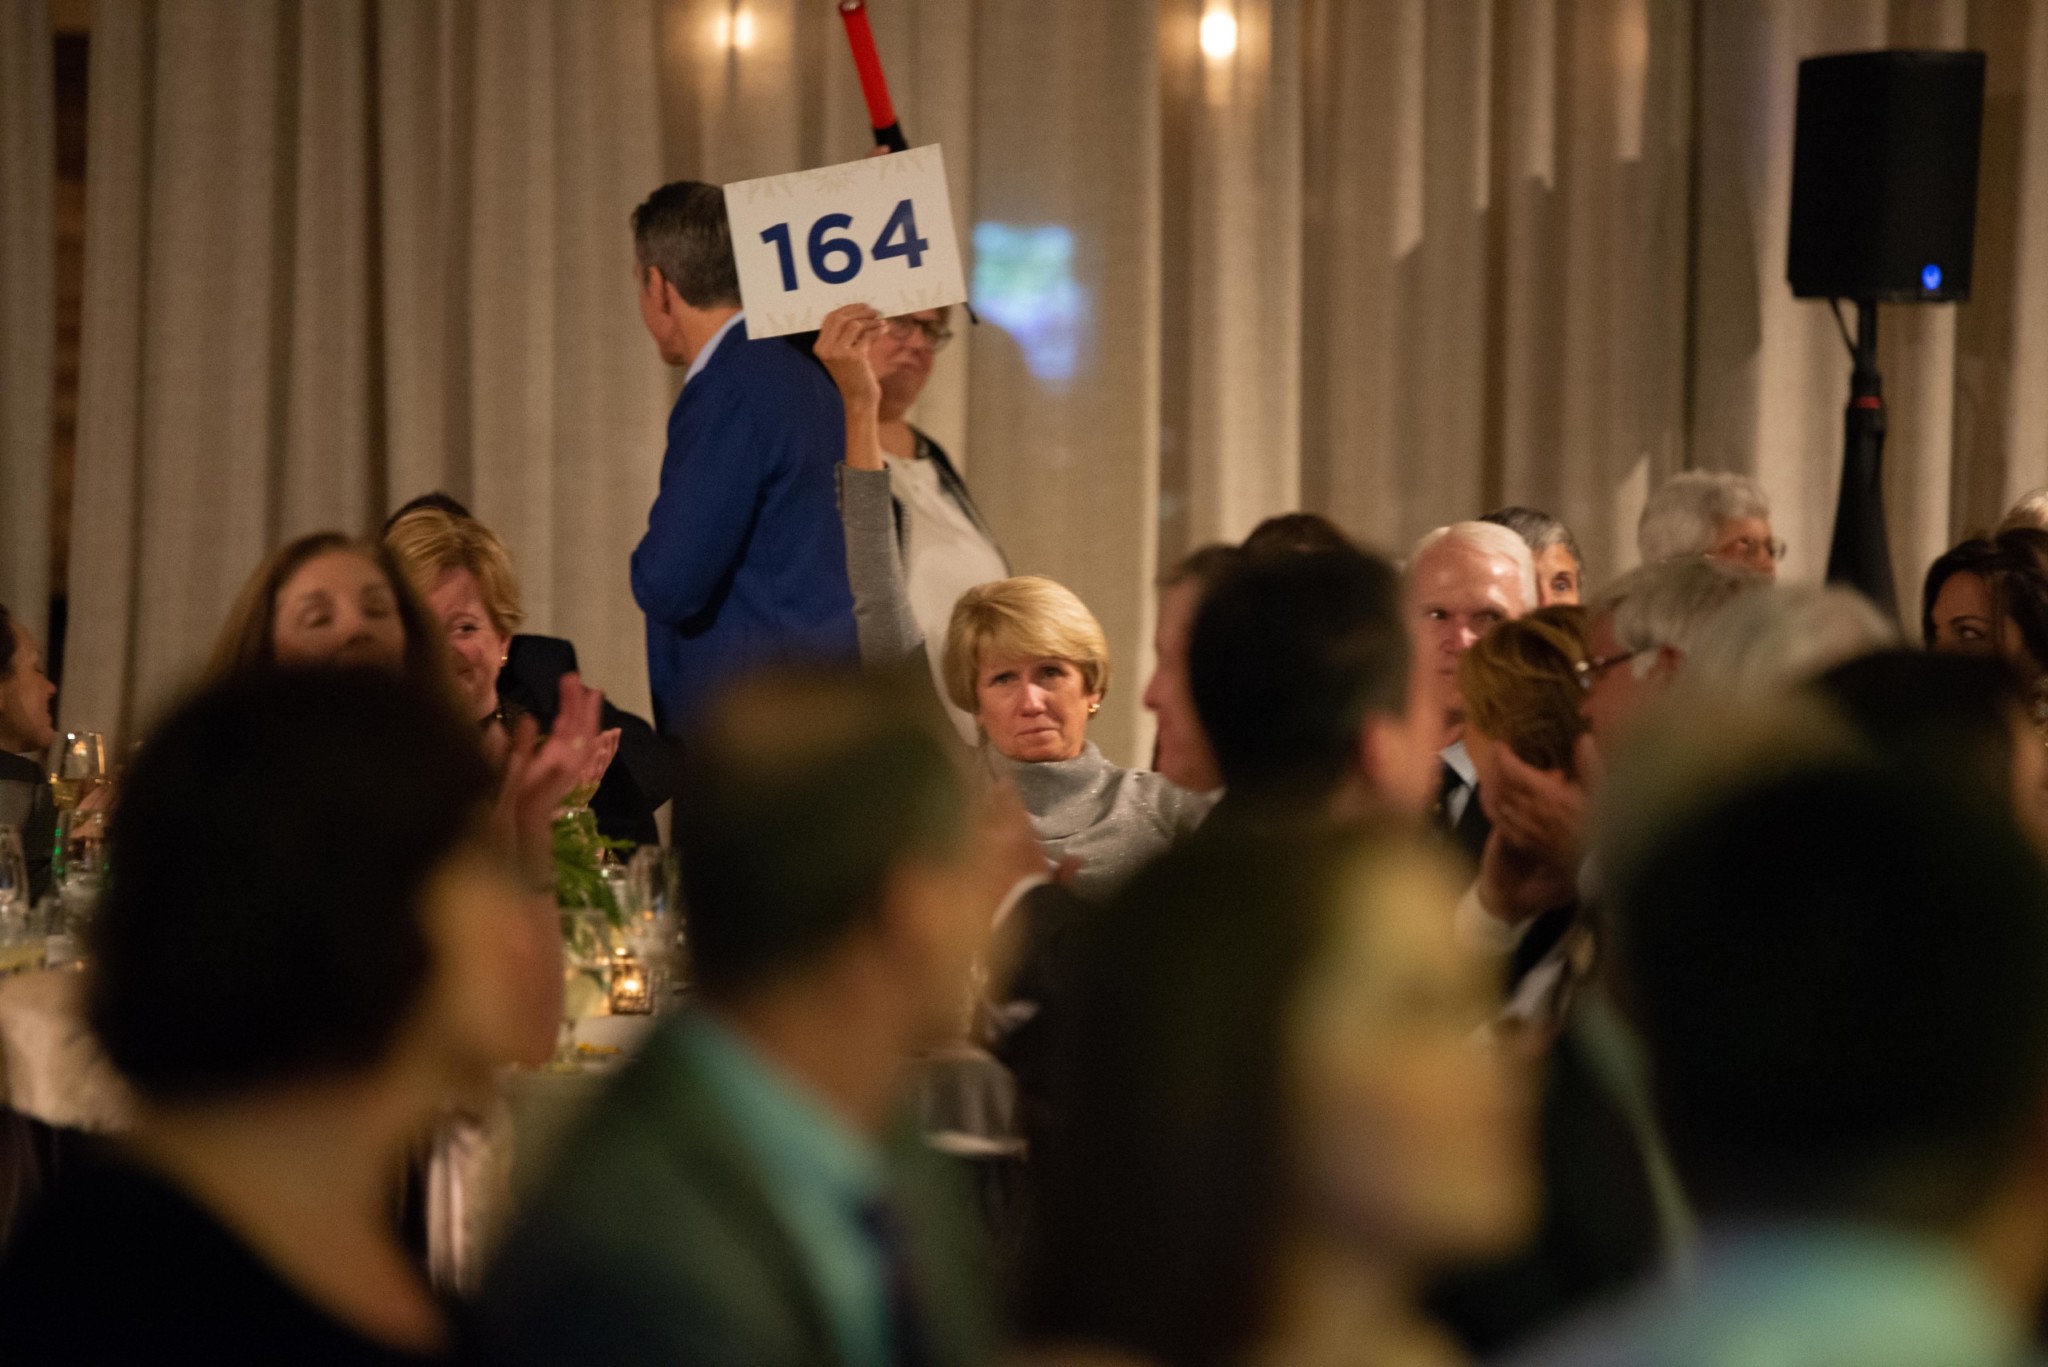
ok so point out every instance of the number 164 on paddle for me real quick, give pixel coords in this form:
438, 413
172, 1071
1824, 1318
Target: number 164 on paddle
877, 231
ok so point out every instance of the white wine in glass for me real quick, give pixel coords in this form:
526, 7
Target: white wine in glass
78, 764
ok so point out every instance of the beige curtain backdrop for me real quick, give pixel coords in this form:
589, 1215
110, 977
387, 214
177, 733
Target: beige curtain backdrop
1394, 260
28, 305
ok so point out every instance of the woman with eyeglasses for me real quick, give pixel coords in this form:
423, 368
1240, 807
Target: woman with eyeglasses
945, 544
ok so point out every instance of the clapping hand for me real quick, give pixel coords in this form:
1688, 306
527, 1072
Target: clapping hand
542, 770
1540, 811
1532, 858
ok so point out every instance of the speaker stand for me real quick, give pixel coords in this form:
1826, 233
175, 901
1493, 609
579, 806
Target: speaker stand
1860, 555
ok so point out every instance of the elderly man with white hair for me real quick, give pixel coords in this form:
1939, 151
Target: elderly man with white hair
1715, 513
1463, 580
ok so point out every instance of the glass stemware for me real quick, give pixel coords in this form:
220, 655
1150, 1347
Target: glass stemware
77, 765
588, 960
19, 947
81, 872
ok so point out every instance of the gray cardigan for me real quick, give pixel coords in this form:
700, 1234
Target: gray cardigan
889, 634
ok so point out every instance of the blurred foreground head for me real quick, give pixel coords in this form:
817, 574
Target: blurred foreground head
823, 821
1782, 636
1841, 975
1955, 719
1308, 688
1270, 1049
1642, 630
299, 887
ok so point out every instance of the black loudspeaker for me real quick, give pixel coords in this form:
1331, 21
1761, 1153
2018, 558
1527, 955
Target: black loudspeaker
1884, 176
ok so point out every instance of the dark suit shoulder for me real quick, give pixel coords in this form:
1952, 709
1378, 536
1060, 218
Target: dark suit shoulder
767, 360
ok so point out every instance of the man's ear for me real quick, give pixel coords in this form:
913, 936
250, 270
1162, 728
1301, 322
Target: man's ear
664, 293
1669, 658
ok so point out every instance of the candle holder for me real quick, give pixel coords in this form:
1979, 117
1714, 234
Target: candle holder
631, 993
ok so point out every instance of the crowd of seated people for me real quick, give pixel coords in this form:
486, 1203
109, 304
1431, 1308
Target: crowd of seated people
1495, 961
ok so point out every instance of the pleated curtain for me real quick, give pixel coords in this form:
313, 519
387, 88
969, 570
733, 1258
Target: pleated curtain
1397, 261
28, 305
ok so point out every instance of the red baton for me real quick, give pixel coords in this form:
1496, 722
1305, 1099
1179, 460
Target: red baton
873, 85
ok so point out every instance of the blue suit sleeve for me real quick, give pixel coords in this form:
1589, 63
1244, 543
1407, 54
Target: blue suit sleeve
710, 495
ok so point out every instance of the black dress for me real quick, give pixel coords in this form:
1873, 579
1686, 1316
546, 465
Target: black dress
118, 1266
646, 772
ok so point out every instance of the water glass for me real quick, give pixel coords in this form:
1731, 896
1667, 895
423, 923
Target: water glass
20, 947
82, 841
14, 894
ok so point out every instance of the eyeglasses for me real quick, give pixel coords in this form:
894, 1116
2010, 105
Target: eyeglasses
938, 334
1589, 672
1749, 548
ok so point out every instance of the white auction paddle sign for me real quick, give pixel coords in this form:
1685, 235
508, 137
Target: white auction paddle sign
878, 231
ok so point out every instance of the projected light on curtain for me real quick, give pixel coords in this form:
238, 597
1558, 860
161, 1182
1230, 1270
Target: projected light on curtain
1024, 281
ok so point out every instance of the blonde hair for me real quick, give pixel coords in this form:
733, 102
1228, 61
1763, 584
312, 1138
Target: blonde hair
430, 542
1521, 687
1027, 616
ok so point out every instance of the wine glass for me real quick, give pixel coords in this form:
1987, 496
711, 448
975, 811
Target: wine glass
14, 900
82, 840
78, 764
18, 948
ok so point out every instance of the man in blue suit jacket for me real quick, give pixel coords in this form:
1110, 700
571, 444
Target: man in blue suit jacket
744, 559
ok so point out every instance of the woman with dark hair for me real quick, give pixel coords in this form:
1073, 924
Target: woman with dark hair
1560, 568
1273, 1119
307, 945
328, 598
1989, 596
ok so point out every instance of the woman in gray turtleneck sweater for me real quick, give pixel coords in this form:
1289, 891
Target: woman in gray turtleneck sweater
1024, 657
1028, 661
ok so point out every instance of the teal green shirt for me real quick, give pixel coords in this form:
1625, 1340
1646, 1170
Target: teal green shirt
1801, 1295
819, 1174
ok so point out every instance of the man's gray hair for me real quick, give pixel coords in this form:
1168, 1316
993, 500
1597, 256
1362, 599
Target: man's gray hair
2030, 511
1489, 539
1768, 642
1687, 510
681, 231
1666, 605
1540, 529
